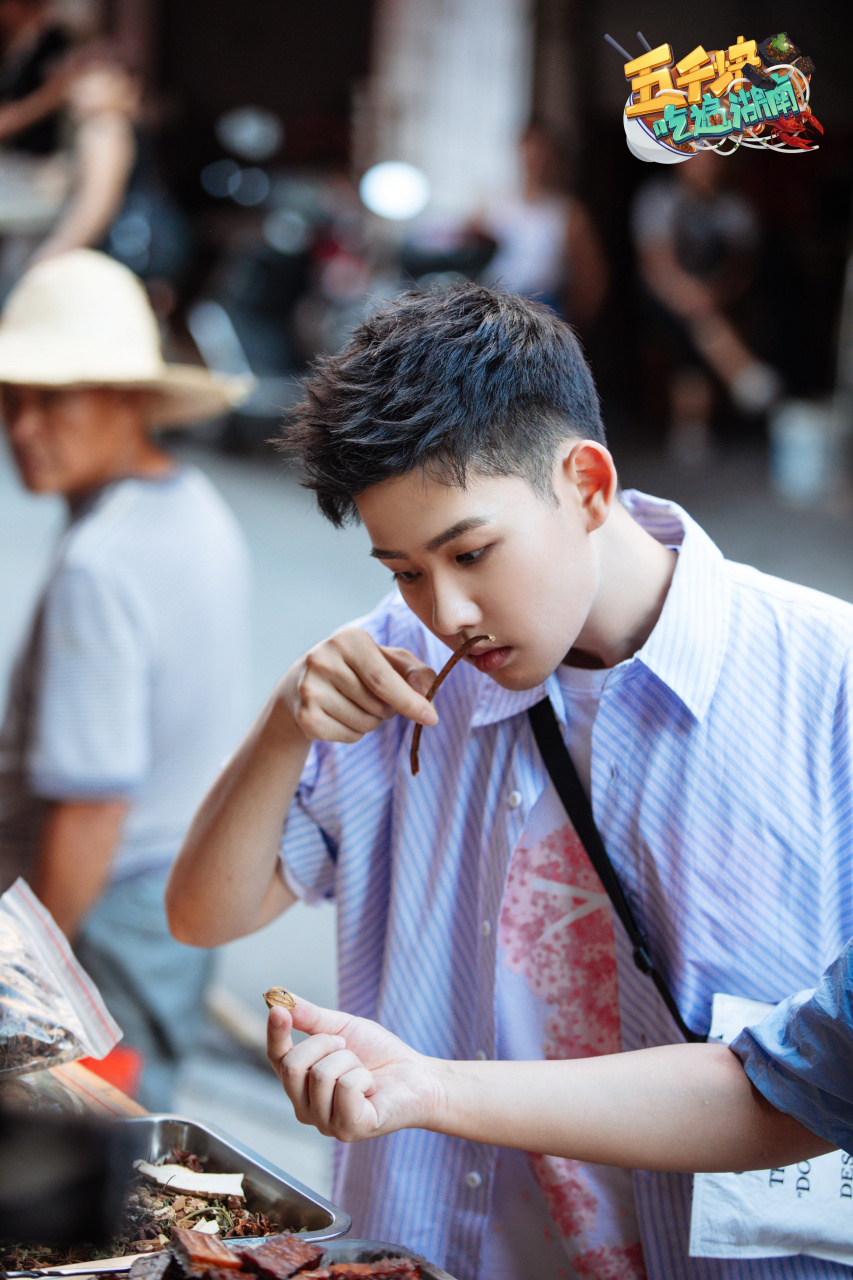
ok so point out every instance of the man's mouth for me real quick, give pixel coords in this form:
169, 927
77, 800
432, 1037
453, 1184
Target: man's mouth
491, 659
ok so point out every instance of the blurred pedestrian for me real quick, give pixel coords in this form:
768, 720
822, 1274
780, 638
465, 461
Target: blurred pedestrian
68, 125
32, 82
547, 246
129, 690
695, 244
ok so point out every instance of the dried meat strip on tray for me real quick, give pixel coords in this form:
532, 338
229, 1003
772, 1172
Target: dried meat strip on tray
198, 1253
282, 1256
151, 1266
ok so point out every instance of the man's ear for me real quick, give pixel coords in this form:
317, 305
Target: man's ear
588, 468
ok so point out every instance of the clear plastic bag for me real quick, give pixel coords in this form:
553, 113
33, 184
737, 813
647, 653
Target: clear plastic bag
50, 1010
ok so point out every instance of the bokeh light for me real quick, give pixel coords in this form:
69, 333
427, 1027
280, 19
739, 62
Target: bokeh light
250, 132
395, 190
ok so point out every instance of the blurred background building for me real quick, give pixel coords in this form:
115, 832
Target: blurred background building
241, 202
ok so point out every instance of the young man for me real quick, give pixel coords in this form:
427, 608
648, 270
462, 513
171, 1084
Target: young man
704, 705
129, 689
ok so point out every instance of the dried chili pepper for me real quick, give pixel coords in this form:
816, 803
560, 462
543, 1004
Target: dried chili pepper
434, 687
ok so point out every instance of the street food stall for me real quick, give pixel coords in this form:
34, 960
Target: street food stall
187, 1201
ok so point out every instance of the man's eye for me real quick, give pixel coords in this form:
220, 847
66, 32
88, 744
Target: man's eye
405, 575
471, 557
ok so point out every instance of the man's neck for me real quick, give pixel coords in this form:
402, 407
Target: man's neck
143, 462
635, 575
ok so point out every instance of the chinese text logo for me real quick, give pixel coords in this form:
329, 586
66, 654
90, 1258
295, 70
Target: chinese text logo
750, 94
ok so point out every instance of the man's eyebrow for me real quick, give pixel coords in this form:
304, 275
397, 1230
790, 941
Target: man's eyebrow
455, 531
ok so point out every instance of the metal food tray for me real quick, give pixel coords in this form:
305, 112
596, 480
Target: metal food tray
373, 1251
268, 1189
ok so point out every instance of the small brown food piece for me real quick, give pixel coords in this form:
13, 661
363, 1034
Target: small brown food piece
279, 997
198, 1253
152, 1266
282, 1257
433, 690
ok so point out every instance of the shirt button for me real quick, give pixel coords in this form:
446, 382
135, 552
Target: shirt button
473, 1180
513, 800
613, 770
481, 1055
486, 928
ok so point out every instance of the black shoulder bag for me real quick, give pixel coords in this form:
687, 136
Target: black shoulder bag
564, 776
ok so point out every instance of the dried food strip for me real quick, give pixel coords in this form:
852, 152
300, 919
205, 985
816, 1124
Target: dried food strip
433, 689
282, 1257
198, 1253
153, 1266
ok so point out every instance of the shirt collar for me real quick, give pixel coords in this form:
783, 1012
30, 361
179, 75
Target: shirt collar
686, 648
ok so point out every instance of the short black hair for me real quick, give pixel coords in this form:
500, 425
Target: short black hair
445, 381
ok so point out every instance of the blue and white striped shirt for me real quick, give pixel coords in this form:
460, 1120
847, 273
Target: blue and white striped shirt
722, 783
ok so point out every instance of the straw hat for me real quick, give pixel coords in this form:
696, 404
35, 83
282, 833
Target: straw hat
82, 320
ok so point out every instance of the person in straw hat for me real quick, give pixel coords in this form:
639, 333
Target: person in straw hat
129, 689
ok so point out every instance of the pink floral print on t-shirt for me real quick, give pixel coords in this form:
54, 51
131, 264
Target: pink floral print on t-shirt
555, 928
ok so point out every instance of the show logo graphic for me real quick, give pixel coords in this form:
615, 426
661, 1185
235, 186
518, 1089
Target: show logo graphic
750, 94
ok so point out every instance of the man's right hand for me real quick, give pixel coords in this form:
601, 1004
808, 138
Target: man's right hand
348, 685
226, 881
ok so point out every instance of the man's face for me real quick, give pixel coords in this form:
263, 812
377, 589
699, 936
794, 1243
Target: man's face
65, 441
495, 558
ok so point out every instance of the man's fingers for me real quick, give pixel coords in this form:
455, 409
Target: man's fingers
348, 685
353, 1116
322, 1082
416, 673
318, 724
315, 1020
279, 1039
295, 1071
381, 672
347, 712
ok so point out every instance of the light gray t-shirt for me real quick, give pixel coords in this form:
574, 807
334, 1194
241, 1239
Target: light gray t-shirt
133, 679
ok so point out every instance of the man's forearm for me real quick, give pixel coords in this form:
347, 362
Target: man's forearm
75, 856
224, 883
680, 1107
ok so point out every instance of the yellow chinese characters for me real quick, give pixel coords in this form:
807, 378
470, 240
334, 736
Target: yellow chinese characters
696, 71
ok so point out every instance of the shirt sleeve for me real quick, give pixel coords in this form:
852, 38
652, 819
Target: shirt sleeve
342, 807
799, 1057
308, 854
91, 730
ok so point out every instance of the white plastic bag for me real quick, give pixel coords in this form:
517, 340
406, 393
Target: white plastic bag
50, 1010
804, 1208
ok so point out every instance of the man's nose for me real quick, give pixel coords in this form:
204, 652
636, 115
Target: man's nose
452, 610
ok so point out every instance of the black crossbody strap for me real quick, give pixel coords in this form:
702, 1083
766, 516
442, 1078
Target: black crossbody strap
565, 778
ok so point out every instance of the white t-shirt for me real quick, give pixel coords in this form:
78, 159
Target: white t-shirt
557, 997
133, 680
531, 236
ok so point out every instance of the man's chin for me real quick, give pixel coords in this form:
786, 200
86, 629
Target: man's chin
34, 479
519, 680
